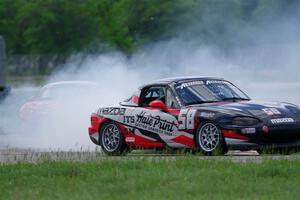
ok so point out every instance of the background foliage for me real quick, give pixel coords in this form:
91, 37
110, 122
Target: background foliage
66, 26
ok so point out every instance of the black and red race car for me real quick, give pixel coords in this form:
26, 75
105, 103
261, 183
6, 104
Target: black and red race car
207, 114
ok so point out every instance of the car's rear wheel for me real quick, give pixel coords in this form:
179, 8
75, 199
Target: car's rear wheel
111, 139
209, 139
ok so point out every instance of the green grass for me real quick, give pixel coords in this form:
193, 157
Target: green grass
180, 178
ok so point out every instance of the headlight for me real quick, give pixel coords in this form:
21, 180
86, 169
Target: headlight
245, 121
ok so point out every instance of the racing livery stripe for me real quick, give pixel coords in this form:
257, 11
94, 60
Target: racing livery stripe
184, 140
151, 135
143, 132
136, 138
135, 131
143, 142
232, 134
232, 141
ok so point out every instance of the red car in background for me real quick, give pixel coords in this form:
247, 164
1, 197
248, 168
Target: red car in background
57, 97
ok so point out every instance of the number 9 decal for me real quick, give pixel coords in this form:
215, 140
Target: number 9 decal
186, 119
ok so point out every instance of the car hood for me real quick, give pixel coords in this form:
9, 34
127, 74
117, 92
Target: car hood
252, 108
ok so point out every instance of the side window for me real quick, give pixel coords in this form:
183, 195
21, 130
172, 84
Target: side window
171, 101
133, 100
152, 94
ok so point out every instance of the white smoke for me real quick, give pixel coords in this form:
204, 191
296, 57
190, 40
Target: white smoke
267, 68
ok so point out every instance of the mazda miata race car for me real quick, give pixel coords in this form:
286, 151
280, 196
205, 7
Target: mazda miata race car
210, 115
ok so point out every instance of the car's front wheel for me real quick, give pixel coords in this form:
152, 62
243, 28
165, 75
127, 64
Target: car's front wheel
209, 139
111, 139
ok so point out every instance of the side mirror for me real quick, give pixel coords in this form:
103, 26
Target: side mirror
158, 104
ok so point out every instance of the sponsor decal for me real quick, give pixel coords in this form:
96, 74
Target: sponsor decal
187, 84
248, 130
207, 114
271, 111
111, 111
128, 119
184, 85
130, 139
216, 82
282, 120
155, 123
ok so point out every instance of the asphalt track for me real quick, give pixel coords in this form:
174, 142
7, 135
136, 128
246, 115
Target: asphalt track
12, 156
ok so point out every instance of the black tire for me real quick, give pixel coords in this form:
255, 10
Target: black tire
210, 140
111, 139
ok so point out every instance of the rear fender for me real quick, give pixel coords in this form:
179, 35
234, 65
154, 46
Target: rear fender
96, 124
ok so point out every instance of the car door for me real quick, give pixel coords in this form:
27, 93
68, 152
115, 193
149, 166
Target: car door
159, 124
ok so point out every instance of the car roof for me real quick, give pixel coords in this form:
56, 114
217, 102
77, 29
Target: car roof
63, 83
182, 79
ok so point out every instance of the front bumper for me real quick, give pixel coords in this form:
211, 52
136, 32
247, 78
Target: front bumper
272, 136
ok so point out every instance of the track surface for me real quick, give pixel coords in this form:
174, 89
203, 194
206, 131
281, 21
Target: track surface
10, 156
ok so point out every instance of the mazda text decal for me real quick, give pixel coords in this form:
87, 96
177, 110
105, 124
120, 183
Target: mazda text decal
282, 120
112, 111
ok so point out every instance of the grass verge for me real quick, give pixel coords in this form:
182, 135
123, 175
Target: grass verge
180, 178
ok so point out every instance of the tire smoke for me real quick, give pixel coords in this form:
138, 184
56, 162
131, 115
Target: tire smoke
266, 66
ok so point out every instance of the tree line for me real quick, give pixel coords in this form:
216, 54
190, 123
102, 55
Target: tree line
66, 26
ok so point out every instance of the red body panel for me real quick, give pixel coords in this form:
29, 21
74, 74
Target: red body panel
185, 141
138, 141
232, 134
96, 123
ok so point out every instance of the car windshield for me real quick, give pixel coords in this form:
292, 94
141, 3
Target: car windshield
206, 91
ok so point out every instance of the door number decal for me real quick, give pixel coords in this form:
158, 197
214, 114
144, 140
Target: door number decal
186, 119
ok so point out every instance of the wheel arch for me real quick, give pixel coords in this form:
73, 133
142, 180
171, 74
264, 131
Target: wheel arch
123, 146
204, 121
107, 120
